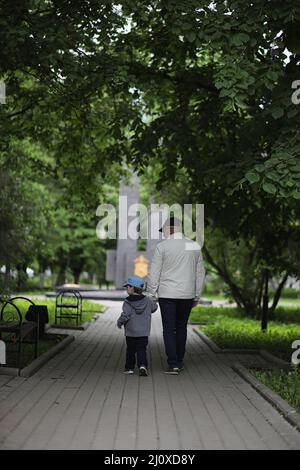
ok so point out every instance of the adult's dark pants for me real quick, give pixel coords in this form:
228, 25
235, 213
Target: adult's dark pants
175, 314
136, 349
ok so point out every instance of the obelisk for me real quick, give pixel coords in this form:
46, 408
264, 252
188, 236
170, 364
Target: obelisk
127, 248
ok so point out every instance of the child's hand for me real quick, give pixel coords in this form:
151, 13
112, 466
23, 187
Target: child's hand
119, 325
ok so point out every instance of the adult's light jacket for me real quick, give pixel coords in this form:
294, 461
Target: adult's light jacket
177, 269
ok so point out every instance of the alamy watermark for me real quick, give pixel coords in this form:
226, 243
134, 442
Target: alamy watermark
2, 352
296, 95
296, 354
136, 221
2, 92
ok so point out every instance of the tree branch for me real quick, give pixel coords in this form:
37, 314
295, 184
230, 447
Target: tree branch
241, 302
278, 292
22, 111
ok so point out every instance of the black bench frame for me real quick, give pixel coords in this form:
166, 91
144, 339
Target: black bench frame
68, 305
21, 329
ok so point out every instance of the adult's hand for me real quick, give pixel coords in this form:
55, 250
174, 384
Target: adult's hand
195, 303
153, 297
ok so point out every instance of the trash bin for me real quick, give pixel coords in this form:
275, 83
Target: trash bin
38, 314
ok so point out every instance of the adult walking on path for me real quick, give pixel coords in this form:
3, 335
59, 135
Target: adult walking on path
176, 276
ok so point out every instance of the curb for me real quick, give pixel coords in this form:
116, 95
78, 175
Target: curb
40, 361
208, 341
261, 352
276, 360
28, 371
13, 371
286, 410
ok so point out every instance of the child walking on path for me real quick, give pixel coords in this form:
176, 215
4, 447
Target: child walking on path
136, 318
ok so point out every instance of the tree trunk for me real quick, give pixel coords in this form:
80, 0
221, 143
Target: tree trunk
7, 275
22, 276
43, 265
265, 308
42, 280
260, 292
277, 295
61, 277
246, 304
76, 275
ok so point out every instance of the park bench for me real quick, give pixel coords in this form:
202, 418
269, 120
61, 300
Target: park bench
68, 305
16, 329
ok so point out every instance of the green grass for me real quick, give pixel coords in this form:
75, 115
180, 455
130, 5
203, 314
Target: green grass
29, 293
89, 309
287, 302
286, 384
212, 314
229, 329
213, 297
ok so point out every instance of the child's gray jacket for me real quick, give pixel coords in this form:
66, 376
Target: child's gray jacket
136, 315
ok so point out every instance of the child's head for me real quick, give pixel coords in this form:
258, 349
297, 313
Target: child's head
131, 290
135, 285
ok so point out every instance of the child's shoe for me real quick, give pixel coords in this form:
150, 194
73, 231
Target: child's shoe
128, 371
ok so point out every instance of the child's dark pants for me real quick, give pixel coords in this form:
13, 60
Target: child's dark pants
136, 346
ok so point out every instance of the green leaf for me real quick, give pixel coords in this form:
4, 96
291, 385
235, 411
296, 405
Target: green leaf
252, 177
273, 176
241, 104
269, 164
269, 188
224, 92
295, 168
259, 168
220, 84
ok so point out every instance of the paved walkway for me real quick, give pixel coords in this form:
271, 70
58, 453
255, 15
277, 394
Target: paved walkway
82, 400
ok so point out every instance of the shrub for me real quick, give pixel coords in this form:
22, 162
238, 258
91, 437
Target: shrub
230, 329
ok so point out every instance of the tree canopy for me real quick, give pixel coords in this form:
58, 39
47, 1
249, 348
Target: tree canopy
202, 85
198, 90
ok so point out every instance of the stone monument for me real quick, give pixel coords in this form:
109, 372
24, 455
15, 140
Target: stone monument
126, 260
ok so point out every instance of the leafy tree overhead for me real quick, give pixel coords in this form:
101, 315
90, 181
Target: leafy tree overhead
206, 85
198, 87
